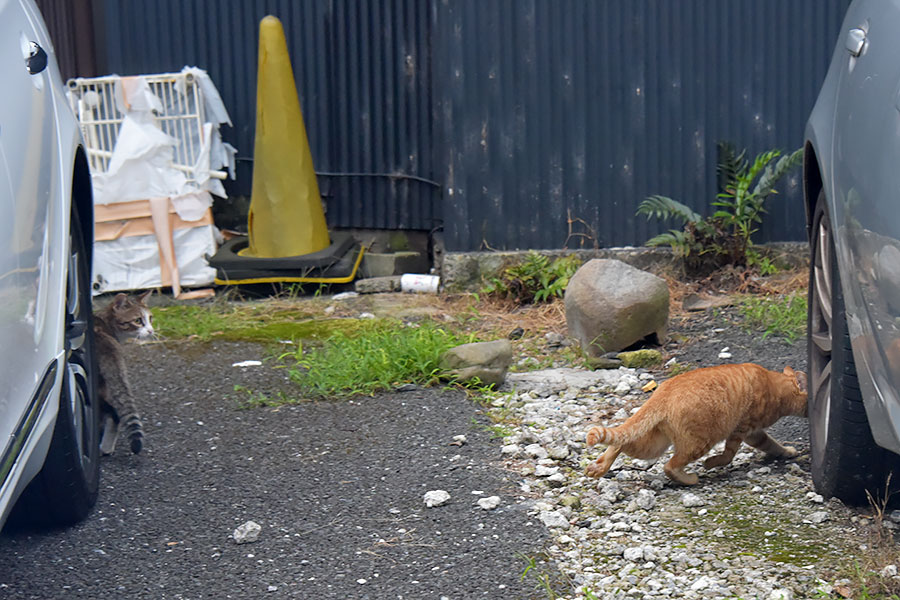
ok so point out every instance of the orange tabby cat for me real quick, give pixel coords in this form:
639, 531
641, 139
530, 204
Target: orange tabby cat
695, 410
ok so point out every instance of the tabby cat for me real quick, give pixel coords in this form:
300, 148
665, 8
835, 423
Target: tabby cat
125, 317
696, 410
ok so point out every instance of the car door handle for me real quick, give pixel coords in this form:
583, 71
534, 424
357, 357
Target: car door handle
856, 41
36, 61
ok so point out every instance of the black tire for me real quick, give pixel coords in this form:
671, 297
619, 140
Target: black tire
66, 488
846, 461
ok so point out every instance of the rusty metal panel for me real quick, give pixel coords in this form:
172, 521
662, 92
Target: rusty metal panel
559, 117
363, 75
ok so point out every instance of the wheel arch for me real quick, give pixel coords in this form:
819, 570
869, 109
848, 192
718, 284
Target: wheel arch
83, 199
812, 183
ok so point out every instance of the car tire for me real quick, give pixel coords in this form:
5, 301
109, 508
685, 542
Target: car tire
846, 462
65, 489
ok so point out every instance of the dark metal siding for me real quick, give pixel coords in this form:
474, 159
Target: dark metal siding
575, 109
71, 26
362, 71
539, 118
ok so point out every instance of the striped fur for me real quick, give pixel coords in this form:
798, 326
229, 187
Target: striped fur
696, 410
121, 319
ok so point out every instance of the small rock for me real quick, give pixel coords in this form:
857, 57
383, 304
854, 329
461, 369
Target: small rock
815, 498
622, 388
637, 359
633, 554
536, 451
436, 498
889, 571
558, 452
458, 440
690, 499
702, 583
781, 595
344, 296
542, 471
516, 333
510, 449
555, 340
571, 501
818, 517
603, 362
552, 518
895, 516
489, 503
247, 533
646, 499
724, 355
557, 480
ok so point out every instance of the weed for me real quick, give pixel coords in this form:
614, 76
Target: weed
780, 315
725, 236
537, 279
761, 263
378, 355
543, 577
253, 399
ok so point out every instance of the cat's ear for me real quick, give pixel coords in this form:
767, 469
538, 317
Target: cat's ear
119, 300
143, 297
798, 376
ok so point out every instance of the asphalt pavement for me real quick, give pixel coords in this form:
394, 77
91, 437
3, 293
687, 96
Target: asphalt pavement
337, 488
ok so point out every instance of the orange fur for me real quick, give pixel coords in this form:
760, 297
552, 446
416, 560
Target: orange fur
695, 410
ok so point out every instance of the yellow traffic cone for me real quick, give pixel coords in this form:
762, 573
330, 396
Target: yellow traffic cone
286, 216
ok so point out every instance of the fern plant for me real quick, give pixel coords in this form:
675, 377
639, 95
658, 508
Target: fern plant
724, 236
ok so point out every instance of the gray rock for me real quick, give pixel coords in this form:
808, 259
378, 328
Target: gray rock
611, 305
690, 499
486, 361
552, 518
377, 285
436, 498
247, 533
645, 499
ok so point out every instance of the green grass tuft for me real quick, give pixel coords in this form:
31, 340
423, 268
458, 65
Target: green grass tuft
783, 316
377, 355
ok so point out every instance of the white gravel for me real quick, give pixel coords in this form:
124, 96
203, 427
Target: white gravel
754, 529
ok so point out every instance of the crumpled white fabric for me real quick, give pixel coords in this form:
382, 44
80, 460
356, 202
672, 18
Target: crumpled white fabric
142, 164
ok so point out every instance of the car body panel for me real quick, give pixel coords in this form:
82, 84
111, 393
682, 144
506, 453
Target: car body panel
854, 129
39, 139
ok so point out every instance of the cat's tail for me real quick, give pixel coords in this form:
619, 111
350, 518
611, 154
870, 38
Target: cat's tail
135, 430
636, 427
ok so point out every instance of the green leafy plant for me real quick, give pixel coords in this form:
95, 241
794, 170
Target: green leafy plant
378, 355
725, 235
784, 316
536, 279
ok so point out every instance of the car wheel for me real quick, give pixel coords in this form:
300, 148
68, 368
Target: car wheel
66, 488
846, 462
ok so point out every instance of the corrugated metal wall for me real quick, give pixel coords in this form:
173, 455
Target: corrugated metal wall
576, 109
537, 118
363, 73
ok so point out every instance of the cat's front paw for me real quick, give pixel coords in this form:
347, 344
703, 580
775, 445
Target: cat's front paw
593, 436
596, 470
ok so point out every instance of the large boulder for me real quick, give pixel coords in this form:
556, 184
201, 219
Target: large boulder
484, 361
611, 305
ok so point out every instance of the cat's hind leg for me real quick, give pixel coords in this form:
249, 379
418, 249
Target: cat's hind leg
761, 440
731, 446
685, 453
600, 467
110, 434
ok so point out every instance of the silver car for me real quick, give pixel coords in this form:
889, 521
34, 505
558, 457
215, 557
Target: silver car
48, 413
852, 188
